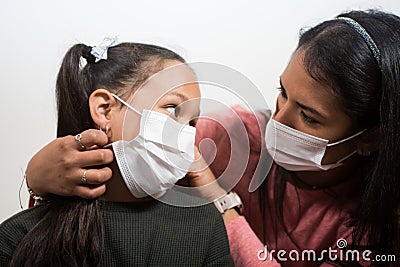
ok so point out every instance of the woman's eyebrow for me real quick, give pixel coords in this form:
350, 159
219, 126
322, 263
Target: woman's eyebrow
310, 109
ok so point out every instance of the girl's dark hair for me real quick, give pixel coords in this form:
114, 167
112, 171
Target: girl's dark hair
71, 231
368, 91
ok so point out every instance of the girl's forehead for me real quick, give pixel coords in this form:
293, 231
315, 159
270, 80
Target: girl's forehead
177, 80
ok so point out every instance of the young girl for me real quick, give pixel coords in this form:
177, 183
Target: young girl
125, 227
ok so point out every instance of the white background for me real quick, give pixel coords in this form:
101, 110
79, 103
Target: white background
253, 37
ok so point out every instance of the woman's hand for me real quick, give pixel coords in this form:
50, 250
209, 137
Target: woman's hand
59, 166
202, 177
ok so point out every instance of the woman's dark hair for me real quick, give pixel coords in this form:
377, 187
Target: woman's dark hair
71, 231
368, 91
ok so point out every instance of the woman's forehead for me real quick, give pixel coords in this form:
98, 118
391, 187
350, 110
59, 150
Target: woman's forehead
304, 89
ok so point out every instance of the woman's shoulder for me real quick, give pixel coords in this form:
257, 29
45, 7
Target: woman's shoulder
232, 142
231, 120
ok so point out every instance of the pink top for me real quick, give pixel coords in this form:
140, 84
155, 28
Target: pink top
316, 219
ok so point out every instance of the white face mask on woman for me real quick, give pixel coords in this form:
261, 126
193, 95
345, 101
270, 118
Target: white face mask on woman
158, 156
298, 151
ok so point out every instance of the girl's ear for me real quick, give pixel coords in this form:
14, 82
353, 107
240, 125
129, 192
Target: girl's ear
368, 142
100, 103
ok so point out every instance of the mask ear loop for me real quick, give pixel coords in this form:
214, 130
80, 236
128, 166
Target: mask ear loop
346, 139
348, 156
126, 104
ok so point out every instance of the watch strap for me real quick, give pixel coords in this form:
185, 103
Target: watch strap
228, 201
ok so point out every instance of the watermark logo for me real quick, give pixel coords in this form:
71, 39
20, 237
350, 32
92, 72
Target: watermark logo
340, 254
341, 243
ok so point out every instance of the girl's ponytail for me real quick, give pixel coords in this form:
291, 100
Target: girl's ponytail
74, 85
71, 231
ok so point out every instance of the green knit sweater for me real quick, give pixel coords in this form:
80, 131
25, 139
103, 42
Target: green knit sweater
144, 234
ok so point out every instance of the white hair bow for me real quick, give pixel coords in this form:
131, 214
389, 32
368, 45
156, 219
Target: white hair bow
100, 51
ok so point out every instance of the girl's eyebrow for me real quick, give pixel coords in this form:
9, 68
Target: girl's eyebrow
184, 98
181, 96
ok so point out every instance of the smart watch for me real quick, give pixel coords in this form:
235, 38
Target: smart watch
229, 201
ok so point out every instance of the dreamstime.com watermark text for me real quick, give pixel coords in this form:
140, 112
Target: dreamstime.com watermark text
330, 254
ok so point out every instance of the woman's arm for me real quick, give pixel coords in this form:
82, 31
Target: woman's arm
246, 248
59, 166
244, 243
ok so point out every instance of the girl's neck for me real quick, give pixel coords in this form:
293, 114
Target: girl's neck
116, 190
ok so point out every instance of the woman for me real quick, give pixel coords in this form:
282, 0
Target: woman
334, 184
126, 226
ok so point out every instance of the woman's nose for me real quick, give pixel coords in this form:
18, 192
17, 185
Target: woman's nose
284, 114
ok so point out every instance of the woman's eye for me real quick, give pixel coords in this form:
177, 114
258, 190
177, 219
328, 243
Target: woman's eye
283, 92
308, 119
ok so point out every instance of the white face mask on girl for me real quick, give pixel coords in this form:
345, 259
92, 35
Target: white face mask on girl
158, 156
298, 151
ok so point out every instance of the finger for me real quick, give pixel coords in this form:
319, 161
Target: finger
199, 164
90, 138
197, 153
94, 176
93, 158
89, 192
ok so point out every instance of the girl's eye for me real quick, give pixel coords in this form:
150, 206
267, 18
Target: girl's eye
283, 92
308, 119
173, 110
